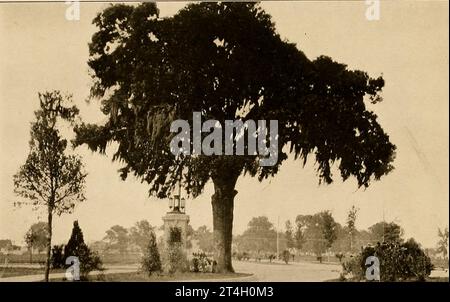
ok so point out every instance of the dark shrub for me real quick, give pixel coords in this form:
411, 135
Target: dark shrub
57, 260
286, 256
339, 256
201, 263
398, 262
89, 260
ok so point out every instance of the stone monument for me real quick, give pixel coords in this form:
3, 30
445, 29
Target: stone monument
176, 222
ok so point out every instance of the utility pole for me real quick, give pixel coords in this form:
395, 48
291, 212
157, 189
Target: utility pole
278, 238
384, 223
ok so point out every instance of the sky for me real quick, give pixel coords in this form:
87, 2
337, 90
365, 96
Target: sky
408, 45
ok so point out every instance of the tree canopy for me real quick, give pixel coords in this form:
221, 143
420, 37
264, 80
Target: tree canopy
227, 62
36, 236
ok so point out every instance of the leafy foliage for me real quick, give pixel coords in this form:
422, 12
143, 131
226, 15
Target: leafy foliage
175, 259
49, 177
351, 221
204, 238
141, 233
398, 261
386, 232
259, 237
58, 260
117, 238
201, 263
36, 237
319, 231
175, 235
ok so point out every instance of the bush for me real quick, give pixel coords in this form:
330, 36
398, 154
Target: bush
175, 259
201, 263
151, 261
57, 259
352, 268
398, 262
286, 256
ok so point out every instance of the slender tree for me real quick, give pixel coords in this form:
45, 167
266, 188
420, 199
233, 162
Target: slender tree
226, 61
443, 242
299, 235
289, 234
50, 178
351, 224
329, 230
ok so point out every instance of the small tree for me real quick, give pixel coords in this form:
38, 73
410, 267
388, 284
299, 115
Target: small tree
36, 238
443, 243
140, 234
286, 256
76, 241
299, 238
50, 178
89, 260
289, 235
351, 221
117, 238
151, 262
328, 228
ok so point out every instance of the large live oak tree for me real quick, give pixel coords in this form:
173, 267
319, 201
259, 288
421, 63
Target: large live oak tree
226, 61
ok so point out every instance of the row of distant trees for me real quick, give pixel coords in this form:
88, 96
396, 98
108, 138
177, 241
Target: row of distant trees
121, 240
315, 234
320, 233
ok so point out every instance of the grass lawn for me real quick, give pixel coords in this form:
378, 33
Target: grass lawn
6, 272
142, 277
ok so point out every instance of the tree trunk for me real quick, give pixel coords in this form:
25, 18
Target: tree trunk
49, 243
31, 255
222, 206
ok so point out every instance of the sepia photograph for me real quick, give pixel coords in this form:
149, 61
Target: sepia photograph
235, 142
